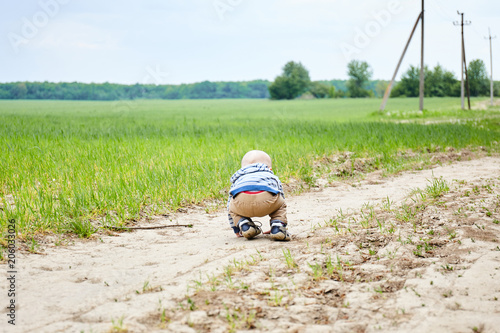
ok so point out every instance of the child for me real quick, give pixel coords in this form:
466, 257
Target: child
257, 192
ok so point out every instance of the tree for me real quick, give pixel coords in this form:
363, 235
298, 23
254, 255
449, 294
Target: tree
409, 84
321, 90
359, 74
381, 87
205, 89
438, 82
478, 78
292, 83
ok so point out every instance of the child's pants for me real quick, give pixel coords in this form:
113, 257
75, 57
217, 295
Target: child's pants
258, 205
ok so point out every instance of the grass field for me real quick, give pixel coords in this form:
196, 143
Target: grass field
65, 163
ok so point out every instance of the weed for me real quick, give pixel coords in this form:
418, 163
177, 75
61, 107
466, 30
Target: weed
84, 229
317, 271
437, 188
117, 325
452, 234
386, 204
406, 213
367, 215
146, 287
447, 268
290, 261
238, 320
198, 284
276, 298
33, 245
213, 282
228, 276
478, 329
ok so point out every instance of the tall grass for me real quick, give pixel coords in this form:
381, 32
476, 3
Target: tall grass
62, 162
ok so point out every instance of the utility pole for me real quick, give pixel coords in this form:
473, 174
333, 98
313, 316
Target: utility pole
389, 87
422, 78
491, 66
466, 75
462, 90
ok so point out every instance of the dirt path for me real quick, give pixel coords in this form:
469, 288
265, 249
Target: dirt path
122, 281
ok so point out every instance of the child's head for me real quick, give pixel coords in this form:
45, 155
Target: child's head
256, 156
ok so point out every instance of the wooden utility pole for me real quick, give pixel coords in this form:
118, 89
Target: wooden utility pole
422, 78
463, 64
491, 67
389, 87
466, 75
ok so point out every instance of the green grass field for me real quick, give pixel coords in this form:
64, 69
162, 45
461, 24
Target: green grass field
64, 163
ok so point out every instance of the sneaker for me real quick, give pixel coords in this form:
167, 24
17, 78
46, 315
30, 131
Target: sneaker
248, 229
279, 231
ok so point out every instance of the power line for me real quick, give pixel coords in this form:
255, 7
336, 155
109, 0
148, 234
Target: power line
442, 12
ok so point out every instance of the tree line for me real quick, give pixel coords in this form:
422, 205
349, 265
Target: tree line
294, 82
438, 82
112, 91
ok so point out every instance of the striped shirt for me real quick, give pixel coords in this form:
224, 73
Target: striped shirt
253, 177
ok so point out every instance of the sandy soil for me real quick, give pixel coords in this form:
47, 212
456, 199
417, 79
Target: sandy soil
356, 264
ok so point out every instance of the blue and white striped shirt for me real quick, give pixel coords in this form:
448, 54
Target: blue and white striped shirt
253, 177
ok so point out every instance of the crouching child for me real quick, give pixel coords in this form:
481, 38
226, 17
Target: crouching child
257, 192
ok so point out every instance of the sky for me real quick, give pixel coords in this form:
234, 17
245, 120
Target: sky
186, 41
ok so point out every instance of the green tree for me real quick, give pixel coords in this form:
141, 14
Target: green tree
331, 92
292, 83
321, 90
381, 87
439, 83
409, 84
19, 90
359, 74
478, 78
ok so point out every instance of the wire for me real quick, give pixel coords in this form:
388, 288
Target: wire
442, 12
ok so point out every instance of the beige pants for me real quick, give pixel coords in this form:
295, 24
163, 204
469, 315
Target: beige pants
258, 205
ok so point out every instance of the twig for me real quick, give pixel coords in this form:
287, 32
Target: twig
150, 228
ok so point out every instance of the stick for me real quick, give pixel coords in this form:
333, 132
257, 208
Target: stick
151, 228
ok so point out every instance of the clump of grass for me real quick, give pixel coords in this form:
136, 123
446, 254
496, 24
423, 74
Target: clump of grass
84, 229
238, 320
289, 259
437, 187
118, 326
317, 271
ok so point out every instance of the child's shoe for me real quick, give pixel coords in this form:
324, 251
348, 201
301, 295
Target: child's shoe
248, 229
279, 231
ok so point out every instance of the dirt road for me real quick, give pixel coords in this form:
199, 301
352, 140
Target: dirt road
125, 281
